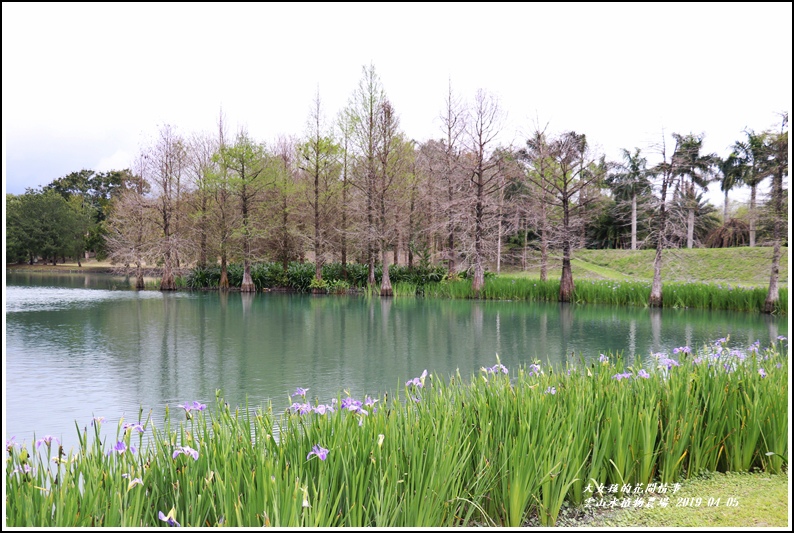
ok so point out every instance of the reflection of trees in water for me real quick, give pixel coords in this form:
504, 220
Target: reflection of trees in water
655, 314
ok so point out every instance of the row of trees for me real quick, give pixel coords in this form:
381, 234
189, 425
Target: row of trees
358, 188
65, 218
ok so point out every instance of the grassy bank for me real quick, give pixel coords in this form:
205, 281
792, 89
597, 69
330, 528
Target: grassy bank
746, 267
505, 447
712, 500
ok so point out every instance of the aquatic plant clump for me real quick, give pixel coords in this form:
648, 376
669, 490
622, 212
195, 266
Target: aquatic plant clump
499, 448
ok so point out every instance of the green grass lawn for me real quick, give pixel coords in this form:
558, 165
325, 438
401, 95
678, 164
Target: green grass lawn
756, 500
748, 267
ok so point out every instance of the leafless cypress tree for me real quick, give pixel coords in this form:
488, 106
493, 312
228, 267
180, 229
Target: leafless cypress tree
389, 178
363, 112
284, 234
130, 229
201, 170
454, 126
223, 215
665, 171
319, 162
484, 126
167, 160
245, 162
571, 170
345, 124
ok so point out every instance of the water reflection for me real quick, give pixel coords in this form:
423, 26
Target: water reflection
73, 353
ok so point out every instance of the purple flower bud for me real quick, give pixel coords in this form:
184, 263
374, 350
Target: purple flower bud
168, 519
47, 439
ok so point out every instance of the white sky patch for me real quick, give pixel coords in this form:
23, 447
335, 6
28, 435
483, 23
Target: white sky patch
81, 81
118, 160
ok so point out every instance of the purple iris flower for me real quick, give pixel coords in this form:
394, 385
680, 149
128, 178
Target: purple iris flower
417, 382
169, 519
130, 425
496, 369
120, 447
321, 409
603, 358
369, 402
319, 451
46, 439
97, 420
187, 450
781, 338
301, 408
195, 406
300, 392
351, 404
534, 369
625, 375
643, 374
669, 363
551, 390
23, 469
762, 372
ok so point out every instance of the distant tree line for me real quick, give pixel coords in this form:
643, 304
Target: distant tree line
357, 189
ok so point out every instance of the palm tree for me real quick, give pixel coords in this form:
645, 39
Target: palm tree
733, 171
688, 162
753, 155
630, 182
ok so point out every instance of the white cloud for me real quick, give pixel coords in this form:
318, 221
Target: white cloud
119, 160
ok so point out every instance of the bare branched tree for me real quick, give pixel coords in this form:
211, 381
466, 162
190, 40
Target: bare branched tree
570, 170
167, 161
130, 229
245, 162
319, 163
482, 165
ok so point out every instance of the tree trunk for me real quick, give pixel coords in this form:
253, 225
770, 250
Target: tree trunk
385, 284
524, 250
478, 282
544, 243
479, 273
752, 214
499, 246
725, 209
167, 283
371, 267
690, 228
655, 299
634, 221
223, 285
139, 286
248, 283
777, 192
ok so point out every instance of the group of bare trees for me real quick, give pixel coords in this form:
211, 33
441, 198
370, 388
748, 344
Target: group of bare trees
358, 188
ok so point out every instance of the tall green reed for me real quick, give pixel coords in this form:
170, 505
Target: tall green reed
495, 449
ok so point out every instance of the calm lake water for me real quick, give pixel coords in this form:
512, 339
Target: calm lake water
78, 346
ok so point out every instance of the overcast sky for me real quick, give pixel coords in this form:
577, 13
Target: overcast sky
87, 85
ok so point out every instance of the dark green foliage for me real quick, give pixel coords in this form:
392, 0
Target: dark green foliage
268, 275
203, 278
357, 274
300, 276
